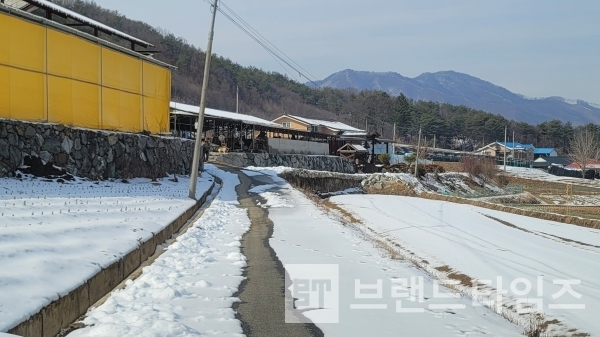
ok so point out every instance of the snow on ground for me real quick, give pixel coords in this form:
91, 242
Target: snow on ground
579, 200
275, 200
461, 237
269, 170
304, 235
538, 174
188, 290
55, 236
446, 183
261, 188
250, 173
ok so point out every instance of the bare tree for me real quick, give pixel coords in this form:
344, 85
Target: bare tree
585, 147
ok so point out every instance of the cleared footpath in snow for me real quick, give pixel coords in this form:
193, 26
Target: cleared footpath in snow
262, 306
364, 292
55, 236
189, 289
530, 259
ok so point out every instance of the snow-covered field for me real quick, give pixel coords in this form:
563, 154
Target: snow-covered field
584, 192
188, 290
304, 236
55, 236
532, 262
537, 174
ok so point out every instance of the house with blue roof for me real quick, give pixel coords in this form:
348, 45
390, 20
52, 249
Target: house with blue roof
514, 150
544, 152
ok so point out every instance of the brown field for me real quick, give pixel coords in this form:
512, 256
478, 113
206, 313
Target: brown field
450, 166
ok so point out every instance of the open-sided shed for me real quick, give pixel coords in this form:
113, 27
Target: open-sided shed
237, 132
353, 152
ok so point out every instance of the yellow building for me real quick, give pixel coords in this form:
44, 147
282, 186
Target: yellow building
54, 73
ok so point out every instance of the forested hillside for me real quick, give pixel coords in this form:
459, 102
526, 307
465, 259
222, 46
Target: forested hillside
270, 94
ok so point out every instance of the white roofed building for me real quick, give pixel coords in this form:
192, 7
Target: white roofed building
240, 132
318, 125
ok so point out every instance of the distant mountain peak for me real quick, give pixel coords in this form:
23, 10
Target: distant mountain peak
458, 88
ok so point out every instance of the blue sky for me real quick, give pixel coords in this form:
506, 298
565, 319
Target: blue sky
537, 48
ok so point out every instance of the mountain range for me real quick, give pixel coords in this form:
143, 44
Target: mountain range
462, 89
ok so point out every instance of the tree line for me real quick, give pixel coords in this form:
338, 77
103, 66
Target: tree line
270, 94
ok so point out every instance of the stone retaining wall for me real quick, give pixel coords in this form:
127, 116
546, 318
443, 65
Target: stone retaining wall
322, 182
309, 162
59, 314
91, 153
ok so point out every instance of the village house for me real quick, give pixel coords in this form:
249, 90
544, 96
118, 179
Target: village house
318, 126
514, 150
544, 152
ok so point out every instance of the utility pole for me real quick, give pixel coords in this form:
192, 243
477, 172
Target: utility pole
394, 132
237, 99
434, 141
198, 160
418, 148
367, 124
513, 151
505, 145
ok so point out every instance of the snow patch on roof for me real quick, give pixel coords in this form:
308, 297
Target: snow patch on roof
192, 109
84, 19
354, 133
328, 124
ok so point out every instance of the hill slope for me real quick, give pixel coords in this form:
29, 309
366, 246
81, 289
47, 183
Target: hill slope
270, 94
462, 89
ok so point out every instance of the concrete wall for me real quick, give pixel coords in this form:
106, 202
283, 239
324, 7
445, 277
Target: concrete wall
59, 314
91, 153
292, 146
319, 163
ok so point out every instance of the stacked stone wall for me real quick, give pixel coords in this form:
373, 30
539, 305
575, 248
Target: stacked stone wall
92, 154
308, 162
323, 182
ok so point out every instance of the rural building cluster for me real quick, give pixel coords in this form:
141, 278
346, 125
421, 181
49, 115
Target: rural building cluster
55, 73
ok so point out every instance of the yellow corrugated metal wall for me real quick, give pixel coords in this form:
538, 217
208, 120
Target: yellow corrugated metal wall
49, 75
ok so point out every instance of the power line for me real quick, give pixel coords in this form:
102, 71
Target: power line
267, 41
263, 42
269, 51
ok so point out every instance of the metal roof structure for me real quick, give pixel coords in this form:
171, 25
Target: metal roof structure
352, 148
332, 125
543, 150
20, 4
54, 9
516, 145
510, 146
192, 110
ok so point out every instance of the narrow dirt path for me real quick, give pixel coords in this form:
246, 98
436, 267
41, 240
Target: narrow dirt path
262, 307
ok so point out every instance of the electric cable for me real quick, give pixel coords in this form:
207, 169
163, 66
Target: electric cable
263, 42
